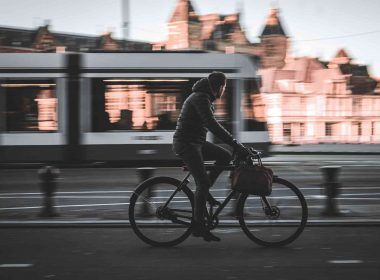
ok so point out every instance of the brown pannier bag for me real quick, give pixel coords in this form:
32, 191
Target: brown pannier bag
255, 180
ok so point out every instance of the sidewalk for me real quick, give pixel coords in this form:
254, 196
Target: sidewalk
97, 197
327, 149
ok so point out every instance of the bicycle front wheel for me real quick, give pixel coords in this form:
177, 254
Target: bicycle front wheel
160, 213
280, 223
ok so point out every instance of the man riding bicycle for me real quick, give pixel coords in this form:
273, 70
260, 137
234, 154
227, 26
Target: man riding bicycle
189, 143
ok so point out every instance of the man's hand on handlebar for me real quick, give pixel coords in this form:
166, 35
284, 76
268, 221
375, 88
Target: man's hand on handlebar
240, 149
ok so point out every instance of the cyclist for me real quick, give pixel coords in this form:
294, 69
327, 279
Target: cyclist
189, 143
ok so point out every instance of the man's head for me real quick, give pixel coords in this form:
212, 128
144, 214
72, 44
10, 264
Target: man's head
217, 82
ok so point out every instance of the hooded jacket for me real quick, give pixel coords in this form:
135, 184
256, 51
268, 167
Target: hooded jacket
197, 116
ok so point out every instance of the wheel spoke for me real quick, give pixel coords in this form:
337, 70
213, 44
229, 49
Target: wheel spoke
181, 210
159, 214
181, 222
183, 216
277, 219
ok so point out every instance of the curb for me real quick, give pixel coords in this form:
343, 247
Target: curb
125, 223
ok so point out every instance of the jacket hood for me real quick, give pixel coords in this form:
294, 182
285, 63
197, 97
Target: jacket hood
203, 86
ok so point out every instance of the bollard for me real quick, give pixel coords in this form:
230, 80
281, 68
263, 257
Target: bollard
144, 174
331, 188
48, 176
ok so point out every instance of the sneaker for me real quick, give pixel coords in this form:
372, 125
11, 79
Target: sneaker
201, 231
208, 236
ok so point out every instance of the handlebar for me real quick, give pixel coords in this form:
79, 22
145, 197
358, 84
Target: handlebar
254, 154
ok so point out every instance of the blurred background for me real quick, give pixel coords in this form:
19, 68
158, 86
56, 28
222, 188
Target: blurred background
90, 92
101, 84
96, 84
315, 83
96, 87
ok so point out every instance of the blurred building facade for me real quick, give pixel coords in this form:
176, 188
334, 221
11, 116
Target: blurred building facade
303, 100
17, 40
309, 102
213, 32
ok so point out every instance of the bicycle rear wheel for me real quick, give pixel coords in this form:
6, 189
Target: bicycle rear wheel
279, 224
159, 214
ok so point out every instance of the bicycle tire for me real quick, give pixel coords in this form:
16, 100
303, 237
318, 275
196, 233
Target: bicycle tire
151, 183
253, 236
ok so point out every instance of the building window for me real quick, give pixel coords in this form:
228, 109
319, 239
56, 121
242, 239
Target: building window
302, 129
271, 130
356, 105
287, 131
357, 128
333, 105
373, 125
329, 129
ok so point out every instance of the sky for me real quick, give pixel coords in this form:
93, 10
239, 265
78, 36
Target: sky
315, 28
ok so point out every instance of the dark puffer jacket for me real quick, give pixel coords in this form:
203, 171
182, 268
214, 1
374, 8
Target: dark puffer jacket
197, 116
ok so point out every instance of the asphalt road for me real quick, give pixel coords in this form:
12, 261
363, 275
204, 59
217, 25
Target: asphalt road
104, 193
116, 253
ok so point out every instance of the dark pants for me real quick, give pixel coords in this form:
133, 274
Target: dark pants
193, 156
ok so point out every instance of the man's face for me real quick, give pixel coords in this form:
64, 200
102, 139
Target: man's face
222, 89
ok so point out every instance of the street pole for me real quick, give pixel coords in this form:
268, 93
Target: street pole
125, 23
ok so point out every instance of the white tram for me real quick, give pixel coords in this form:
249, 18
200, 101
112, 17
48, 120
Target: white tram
115, 107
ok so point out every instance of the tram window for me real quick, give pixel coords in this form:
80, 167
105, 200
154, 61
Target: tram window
223, 109
29, 105
137, 104
253, 107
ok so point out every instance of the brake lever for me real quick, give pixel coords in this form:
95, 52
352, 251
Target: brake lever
256, 154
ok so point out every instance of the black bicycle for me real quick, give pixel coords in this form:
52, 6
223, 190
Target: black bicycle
161, 209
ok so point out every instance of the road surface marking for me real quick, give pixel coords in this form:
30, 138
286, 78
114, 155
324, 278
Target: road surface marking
15, 265
357, 198
21, 208
358, 194
227, 207
300, 170
212, 190
322, 197
64, 206
345, 261
158, 222
77, 192
64, 196
227, 230
220, 197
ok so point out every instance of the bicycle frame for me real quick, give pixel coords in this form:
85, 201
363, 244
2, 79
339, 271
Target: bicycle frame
210, 214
